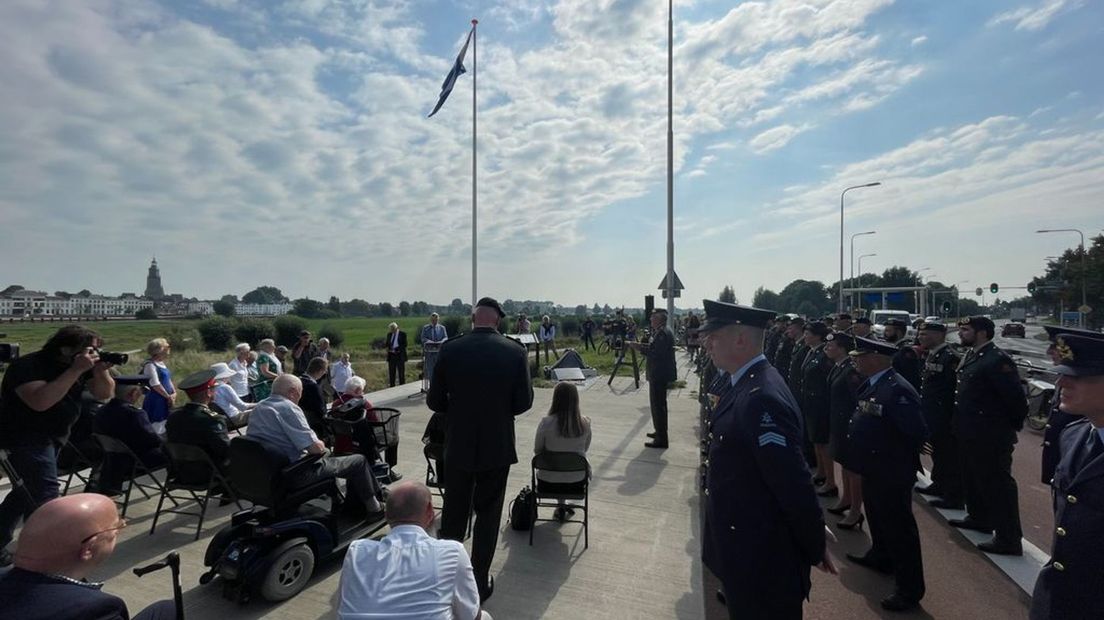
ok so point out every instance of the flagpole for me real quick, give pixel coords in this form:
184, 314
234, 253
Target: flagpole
670, 172
475, 73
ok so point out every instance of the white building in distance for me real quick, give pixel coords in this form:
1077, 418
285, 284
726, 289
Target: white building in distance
24, 303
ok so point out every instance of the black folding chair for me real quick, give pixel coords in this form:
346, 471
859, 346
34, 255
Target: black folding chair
562, 462
434, 453
189, 459
112, 446
72, 462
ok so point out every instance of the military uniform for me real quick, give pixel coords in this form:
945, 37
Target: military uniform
1058, 419
770, 343
843, 387
990, 408
815, 405
886, 434
783, 355
194, 424
794, 376
907, 363
937, 401
763, 526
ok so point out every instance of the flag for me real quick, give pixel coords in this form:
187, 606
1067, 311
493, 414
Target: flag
450, 79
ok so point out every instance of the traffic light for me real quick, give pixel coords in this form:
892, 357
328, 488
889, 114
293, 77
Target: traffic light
993, 288
946, 308
1031, 287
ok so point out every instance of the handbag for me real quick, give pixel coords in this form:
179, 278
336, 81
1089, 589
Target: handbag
523, 510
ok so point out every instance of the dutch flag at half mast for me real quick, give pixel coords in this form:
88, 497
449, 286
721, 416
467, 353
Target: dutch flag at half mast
457, 70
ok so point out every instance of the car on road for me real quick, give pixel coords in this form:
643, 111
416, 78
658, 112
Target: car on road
879, 317
1009, 330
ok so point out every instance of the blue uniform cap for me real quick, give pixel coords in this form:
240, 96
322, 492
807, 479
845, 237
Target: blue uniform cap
1053, 331
1081, 356
720, 314
868, 345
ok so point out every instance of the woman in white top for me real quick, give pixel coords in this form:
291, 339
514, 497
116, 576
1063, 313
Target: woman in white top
564, 429
240, 366
340, 373
226, 398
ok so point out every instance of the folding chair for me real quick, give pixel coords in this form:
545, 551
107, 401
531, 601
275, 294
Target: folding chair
232, 425
562, 462
138, 469
75, 461
190, 459
434, 452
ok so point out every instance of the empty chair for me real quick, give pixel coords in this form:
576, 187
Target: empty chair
112, 447
191, 459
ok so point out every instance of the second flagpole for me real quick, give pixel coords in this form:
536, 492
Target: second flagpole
475, 73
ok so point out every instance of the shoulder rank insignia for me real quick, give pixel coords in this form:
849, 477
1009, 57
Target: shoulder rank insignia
766, 420
772, 437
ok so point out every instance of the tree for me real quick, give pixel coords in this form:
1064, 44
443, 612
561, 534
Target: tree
456, 306
84, 293
386, 309
596, 309
419, 308
63, 294
223, 308
580, 310
11, 289
356, 307
509, 306
230, 299
728, 295
264, 295
806, 297
766, 299
308, 308
334, 304
145, 314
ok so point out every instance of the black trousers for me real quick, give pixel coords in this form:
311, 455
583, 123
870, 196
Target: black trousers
992, 497
657, 399
895, 540
483, 492
946, 470
395, 366
588, 341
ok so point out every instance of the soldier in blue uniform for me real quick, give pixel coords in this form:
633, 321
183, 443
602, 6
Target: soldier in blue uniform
990, 408
1058, 419
764, 529
815, 404
937, 395
790, 334
886, 434
1069, 586
843, 388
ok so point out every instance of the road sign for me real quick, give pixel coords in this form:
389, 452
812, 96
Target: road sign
993, 288
977, 291
1085, 309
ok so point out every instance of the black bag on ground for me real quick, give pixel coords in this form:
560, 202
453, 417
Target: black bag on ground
523, 510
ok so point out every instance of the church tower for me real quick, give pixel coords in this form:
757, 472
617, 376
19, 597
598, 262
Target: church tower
153, 282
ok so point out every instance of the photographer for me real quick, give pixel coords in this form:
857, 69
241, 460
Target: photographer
40, 398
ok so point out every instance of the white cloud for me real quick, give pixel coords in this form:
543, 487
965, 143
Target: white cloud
774, 138
920, 40
1035, 17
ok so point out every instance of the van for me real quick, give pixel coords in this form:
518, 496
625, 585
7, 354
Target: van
879, 317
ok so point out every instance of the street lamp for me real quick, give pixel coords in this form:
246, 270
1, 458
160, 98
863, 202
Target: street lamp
869, 232
1084, 298
839, 309
860, 275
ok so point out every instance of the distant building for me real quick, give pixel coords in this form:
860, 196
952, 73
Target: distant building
262, 309
154, 290
37, 303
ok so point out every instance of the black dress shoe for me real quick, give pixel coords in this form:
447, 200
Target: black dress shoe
932, 490
870, 563
896, 602
395, 476
651, 435
486, 591
946, 504
970, 524
656, 444
1000, 547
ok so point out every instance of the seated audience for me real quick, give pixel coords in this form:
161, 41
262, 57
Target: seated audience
354, 388
564, 429
409, 573
279, 424
313, 401
269, 366
60, 546
241, 367
226, 399
195, 424
122, 419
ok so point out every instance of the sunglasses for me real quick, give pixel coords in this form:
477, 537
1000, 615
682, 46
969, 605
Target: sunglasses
118, 526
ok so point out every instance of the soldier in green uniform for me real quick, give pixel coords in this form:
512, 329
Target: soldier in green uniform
937, 395
195, 424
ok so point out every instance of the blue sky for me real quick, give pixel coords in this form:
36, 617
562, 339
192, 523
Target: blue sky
249, 142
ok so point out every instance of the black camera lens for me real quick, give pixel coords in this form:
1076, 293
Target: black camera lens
110, 357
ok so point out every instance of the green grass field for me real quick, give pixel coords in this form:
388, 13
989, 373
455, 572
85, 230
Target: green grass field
359, 334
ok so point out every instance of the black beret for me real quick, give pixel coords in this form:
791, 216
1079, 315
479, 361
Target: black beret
720, 314
847, 341
491, 302
797, 320
896, 323
818, 328
978, 323
933, 326
869, 345
1081, 356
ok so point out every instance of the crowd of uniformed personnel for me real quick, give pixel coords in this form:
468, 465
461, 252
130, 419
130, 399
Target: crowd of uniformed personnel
826, 391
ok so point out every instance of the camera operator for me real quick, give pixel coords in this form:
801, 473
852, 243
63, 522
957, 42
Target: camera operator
40, 399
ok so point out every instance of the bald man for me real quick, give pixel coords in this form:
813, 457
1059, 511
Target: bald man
62, 543
409, 573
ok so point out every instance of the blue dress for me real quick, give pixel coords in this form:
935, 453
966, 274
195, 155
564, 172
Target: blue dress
156, 405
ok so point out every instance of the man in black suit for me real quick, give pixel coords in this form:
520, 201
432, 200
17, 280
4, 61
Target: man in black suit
313, 400
481, 381
122, 419
662, 370
396, 354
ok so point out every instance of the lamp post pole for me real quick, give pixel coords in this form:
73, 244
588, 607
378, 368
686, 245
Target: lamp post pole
852, 279
860, 275
1084, 297
839, 307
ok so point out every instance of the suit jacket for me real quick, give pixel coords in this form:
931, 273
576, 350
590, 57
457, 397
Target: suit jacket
402, 346
937, 389
197, 425
794, 376
480, 383
782, 356
1069, 585
35, 596
887, 430
814, 383
661, 357
1057, 422
989, 400
764, 529
908, 364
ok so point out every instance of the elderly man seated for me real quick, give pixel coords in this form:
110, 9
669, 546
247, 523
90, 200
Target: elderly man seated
280, 424
409, 574
61, 544
124, 420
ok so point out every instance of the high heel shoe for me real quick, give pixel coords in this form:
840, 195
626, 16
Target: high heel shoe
839, 510
843, 525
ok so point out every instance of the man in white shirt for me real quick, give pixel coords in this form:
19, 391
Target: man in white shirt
409, 574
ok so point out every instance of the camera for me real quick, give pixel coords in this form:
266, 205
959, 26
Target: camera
8, 351
111, 357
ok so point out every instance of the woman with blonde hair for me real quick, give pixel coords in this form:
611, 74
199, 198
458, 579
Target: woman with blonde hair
162, 394
268, 367
564, 429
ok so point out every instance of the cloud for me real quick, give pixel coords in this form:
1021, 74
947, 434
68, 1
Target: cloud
1034, 18
774, 138
918, 41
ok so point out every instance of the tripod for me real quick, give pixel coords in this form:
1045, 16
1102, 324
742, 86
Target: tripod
621, 360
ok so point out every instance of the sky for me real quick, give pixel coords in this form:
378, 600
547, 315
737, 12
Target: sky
260, 142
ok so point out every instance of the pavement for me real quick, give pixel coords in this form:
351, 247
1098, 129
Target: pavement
644, 555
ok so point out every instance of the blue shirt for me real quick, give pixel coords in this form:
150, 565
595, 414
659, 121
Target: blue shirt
279, 423
739, 374
873, 379
434, 333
